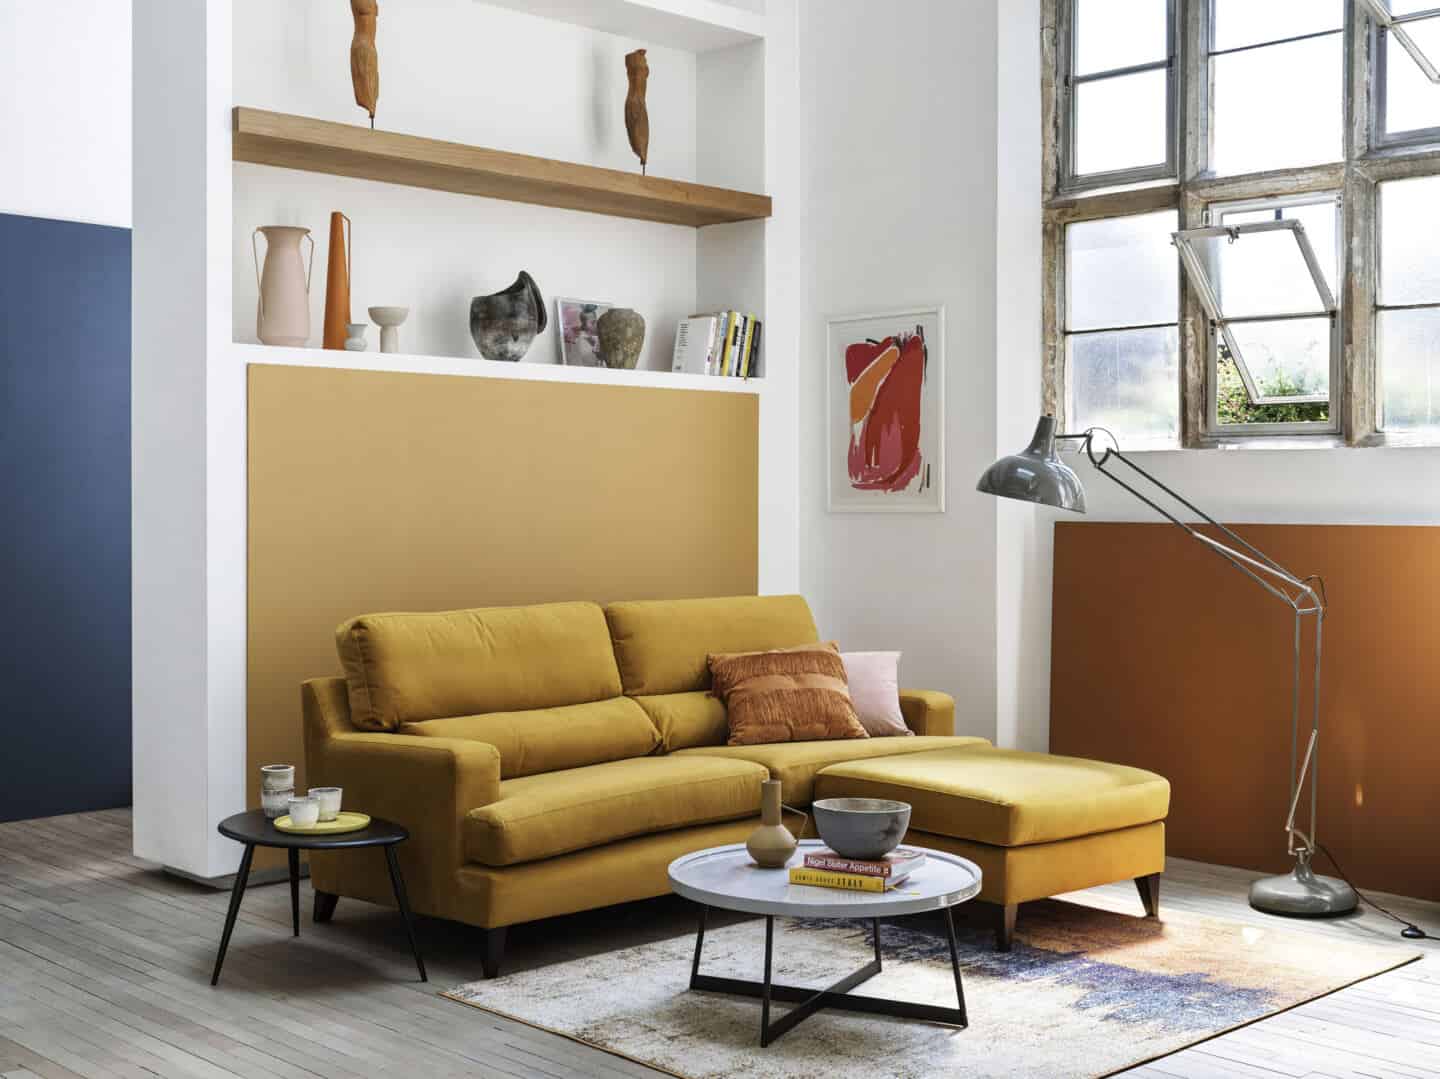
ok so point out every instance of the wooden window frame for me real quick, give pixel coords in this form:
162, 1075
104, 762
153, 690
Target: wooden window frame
1194, 189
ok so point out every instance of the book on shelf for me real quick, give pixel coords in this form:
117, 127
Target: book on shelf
723, 343
895, 866
849, 882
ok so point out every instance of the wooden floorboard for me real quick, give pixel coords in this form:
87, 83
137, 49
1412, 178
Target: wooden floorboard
105, 965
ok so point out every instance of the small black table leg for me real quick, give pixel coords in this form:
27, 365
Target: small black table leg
398, 883
765, 998
295, 889
955, 967
241, 875
875, 926
699, 944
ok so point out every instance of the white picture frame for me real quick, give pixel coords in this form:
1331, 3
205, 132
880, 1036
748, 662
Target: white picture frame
584, 351
868, 469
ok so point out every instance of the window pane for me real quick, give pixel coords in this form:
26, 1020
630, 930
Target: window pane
1120, 123
1286, 359
1278, 107
1410, 369
1412, 101
1122, 272
1250, 22
1409, 252
1264, 273
1119, 33
1408, 7
1129, 382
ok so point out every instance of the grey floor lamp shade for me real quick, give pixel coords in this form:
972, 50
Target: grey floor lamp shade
1036, 474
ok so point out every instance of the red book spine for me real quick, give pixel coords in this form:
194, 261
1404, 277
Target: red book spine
846, 865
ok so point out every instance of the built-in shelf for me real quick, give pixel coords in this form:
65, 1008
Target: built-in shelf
692, 25
477, 367
297, 142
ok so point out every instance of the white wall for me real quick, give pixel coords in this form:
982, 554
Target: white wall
898, 109
65, 111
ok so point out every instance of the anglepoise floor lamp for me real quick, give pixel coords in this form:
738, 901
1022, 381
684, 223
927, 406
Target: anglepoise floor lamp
1037, 474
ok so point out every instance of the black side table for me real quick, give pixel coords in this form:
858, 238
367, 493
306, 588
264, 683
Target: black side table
254, 829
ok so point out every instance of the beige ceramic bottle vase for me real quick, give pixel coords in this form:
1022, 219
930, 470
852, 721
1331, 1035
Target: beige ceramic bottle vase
283, 314
771, 845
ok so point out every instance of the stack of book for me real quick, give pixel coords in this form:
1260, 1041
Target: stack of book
726, 343
826, 869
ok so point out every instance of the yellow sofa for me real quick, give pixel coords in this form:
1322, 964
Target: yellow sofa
557, 758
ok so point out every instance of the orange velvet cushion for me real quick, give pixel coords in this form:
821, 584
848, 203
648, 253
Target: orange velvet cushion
786, 695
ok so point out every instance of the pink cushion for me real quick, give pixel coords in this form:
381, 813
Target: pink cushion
874, 679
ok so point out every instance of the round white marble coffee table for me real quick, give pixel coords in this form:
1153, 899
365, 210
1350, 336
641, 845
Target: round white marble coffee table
725, 877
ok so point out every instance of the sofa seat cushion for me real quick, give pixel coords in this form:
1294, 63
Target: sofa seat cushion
661, 645
795, 764
546, 815
687, 719
550, 739
407, 668
1004, 797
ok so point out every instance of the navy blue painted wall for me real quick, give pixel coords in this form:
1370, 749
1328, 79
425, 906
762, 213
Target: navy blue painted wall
64, 516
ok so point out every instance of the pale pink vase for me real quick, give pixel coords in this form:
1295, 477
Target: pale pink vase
282, 315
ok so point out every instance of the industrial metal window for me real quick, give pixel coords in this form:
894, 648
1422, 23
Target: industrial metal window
1297, 181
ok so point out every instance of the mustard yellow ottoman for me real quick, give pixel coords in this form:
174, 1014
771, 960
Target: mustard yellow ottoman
1036, 824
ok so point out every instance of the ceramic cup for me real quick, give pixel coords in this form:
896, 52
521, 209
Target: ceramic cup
277, 777
304, 812
328, 798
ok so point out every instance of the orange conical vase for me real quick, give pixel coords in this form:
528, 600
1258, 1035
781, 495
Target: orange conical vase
337, 282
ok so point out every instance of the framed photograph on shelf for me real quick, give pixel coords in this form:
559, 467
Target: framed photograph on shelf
885, 412
578, 323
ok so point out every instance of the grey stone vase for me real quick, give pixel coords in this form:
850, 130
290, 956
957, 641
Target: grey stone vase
622, 336
505, 323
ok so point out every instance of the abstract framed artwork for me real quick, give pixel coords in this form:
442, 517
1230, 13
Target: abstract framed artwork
885, 412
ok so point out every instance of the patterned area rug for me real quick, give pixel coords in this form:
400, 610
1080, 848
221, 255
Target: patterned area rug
1086, 992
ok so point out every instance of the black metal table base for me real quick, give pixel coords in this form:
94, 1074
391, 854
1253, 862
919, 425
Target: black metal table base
397, 882
837, 995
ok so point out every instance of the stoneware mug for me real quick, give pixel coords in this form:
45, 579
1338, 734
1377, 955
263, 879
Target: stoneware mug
328, 798
304, 812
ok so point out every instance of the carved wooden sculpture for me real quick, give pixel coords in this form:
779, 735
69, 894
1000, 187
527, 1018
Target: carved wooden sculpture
637, 119
364, 60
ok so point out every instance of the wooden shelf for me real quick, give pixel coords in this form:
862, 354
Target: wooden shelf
692, 25
297, 142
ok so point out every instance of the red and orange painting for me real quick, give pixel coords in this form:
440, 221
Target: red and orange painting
891, 445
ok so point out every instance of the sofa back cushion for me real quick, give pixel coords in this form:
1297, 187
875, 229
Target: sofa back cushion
552, 739
408, 668
686, 720
662, 645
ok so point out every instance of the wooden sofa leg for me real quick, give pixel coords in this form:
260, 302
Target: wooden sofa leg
494, 952
1005, 927
325, 906
1149, 889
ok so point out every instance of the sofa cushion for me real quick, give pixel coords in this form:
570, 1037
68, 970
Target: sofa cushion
785, 695
661, 645
795, 764
407, 668
558, 812
1004, 797
687, 719
549, 739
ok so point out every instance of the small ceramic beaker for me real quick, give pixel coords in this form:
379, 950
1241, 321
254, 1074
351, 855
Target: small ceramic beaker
304, 812
277, 784
355, 339
328, 798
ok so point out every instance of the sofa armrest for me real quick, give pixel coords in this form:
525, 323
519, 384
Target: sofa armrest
928, 711
426, 784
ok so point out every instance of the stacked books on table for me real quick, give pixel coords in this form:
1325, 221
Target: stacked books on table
725, 343
826, 869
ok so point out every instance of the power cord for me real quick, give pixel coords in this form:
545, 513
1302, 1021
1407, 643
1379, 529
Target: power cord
1411, 930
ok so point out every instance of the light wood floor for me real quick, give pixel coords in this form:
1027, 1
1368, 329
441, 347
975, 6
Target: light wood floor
105, 963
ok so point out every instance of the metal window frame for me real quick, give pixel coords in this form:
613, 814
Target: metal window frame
1072, 182
1384, 26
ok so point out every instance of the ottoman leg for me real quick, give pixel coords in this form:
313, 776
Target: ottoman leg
1149, 889
1005, 927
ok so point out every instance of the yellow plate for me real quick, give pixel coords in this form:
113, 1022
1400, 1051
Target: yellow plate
345, 822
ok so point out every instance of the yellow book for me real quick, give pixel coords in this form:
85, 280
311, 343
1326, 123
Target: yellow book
824, 878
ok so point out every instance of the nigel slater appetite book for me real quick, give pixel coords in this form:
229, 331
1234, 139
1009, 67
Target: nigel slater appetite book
897, 864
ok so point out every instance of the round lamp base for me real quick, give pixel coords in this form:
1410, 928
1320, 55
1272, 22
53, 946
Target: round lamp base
1302, 892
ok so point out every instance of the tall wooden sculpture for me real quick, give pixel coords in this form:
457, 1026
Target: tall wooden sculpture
637, 119
364, 60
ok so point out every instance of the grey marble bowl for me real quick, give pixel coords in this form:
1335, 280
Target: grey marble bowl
866, 828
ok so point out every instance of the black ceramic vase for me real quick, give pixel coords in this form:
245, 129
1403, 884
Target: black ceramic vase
505, 323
